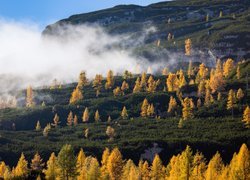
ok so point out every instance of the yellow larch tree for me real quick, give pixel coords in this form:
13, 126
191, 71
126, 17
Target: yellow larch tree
143, 81
104, 163
124, 87
190, 71
198, 104
75, 121
215, 167
165, 71
97, 84
97, 116
238, 73
38, 126
30, 97
172, 105
3, 168
157, 169
150, 110
185, 163
56, 120
76, 96
115, 164
217, 82
246, 117
152, 84
70, 119
188, 47
37, 163
144, 108
80, 161
239, 167
82, 81
137, 87
110, 80
201, 88
239, 94
172, 82
85, 116
187, 111
219, 96
52, 171
218, 67
117, 91
92, 168
124, 113
228, 66
199, 167
21, 170
202, 73
145, 171
182, 81
231, 100
110, 133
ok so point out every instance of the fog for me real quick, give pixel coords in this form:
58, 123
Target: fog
28, 58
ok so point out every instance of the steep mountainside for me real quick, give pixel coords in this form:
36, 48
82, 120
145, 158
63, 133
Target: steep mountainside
216, 28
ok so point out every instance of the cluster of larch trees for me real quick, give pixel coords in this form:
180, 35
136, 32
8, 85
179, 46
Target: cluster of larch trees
183, 166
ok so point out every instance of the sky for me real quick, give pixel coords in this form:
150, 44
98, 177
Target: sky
44, 12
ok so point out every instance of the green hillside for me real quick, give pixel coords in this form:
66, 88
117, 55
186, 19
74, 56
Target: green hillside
225, 36
211, 129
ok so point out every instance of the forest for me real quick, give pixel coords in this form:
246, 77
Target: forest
206, 108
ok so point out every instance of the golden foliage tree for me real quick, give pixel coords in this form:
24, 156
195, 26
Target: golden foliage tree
21, 170
37, 163
110, 133
104, 163
3, 168
165, 71
70, 119
228, 66
246, 117
239, 94
30, 97
217, 82
124, 113
80, 161
124, 87
117, 91
52, 171
202, 73
150, 110
97, 116
188, 47
238, 73
110, 80
157, 169
231, 100
85, 116
187, 110
144, 108
199, 167
190, 71
75, 120
115, 164
76, 96
38, 126
215, 167
137, 87
97, 84
172, 105
202, 88
56, 120
143, 81
172, 82
82, 81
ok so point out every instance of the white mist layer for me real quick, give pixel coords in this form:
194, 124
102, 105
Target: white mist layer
28, 58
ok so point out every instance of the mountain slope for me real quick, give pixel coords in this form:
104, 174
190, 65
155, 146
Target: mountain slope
224, 36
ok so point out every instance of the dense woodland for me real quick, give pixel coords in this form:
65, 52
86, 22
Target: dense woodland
204, 107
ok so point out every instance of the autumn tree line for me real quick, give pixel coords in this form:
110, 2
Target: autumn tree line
186, 165
210, 89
